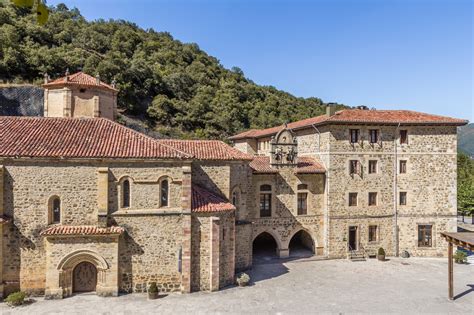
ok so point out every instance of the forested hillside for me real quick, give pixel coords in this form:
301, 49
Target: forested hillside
466, 139
177, 88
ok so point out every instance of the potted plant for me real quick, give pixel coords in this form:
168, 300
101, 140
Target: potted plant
460, 257
242, 279
381, 254
152, 291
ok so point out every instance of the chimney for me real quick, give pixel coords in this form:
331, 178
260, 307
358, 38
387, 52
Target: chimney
330, 109
114, 83
97, 79
362, 107
67, 74
46, 78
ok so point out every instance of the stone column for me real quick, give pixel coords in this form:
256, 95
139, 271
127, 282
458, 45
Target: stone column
215, 254
186, 195
102, 195
96, 106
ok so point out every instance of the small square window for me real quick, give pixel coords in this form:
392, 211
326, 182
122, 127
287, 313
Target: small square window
403, 137
352, 199
403, 198
372, 198
373, 136
372, 233
372, 166
354, 135
403, 167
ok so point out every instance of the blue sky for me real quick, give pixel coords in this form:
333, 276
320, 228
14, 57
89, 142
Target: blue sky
388, 54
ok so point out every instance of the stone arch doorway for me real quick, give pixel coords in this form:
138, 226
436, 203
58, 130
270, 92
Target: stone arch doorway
301, 245
84, 277
264, 247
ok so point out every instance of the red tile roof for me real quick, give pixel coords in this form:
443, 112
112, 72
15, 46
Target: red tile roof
78, 138
205, 201
207, 149
81, 230
79, 79
358, 116
305, 165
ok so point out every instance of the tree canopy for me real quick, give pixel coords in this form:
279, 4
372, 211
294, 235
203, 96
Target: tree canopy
177, 88
465, 184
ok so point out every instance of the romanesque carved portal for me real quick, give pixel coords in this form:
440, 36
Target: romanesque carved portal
84, 277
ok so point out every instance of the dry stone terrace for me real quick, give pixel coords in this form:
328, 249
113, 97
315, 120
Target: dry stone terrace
397, 286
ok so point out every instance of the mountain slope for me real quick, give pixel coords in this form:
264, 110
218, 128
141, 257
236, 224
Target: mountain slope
466, 139
175, 88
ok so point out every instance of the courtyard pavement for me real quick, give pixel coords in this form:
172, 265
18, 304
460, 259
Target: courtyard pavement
304, 286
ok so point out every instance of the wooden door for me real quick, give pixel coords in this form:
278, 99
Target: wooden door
84, 277
353, 237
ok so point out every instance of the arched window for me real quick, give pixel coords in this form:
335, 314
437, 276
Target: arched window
126, 194
265, 201
55, 210
236, 197
164, 193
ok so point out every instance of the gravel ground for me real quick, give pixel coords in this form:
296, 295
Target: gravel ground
304, 286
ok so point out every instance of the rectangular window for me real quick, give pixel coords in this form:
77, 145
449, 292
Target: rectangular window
372, 166
425, 235
403, 137
352, 199
372, 233
373, 136
302, 203
372, 198
354, 135
403, 167
403, 198
354, 167
265, 204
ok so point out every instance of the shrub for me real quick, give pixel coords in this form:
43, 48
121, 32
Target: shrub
153, 288
381, 252
243, 279
16, 298
460, 257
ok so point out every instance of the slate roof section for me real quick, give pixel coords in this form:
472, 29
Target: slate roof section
207, 149
79, 79
58, 230
305, 165
43, 137
204, 201
358, 116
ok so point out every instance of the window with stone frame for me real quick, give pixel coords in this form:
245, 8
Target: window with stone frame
372, 198
372, 166
425, 235
352, 199
164, 193
403, 198
403, 167
373, 235
54, 216
373, 136
126, 194
355, 168
302, 203
265, 201
354, 135
403, 136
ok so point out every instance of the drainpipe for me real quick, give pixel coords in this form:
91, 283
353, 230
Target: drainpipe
395, 190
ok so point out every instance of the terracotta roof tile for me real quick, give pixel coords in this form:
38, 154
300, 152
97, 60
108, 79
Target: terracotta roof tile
207, 149
81, 230
205, 201
305, 165
78, 138
79, 79
358, 116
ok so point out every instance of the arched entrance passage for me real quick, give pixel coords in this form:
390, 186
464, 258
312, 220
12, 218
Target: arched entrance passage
84, 277
264, 247
301, 245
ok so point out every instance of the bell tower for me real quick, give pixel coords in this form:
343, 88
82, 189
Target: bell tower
79, 95
284, 149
